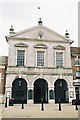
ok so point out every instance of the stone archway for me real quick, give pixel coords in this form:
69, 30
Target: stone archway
40, 91
19, 90
61, 91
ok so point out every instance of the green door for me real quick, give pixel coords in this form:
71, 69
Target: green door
61, 91
19, 90
40, 91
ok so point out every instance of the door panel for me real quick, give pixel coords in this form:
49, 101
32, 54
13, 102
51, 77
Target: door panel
40, 91
61, 91
19, 90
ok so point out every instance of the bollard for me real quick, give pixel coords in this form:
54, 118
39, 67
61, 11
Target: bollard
76, 107
59, 105
42, 106
76, 102
22, 104
6, 103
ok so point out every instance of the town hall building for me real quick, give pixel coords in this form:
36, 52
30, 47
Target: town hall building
39, 66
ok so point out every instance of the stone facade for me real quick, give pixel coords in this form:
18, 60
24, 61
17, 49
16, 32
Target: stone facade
39, 38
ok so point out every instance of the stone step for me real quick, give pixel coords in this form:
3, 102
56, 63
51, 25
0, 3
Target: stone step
40, 119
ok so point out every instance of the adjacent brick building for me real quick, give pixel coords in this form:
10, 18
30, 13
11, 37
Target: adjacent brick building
3, 66
75, 58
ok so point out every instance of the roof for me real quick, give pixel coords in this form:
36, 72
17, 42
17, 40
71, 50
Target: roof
33, 33
75, 50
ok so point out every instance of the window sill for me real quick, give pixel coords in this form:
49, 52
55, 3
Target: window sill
20, 66
60, 67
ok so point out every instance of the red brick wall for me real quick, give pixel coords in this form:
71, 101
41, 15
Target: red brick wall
3, 80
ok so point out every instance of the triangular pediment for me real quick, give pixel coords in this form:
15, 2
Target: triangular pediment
39, 32
21, 45
40, 46
59, 47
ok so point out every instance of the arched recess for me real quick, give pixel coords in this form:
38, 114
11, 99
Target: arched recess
61, 91
19, 90
40, 91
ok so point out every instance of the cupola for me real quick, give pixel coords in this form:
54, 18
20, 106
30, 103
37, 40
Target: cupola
11, 30
40, 21
67, 34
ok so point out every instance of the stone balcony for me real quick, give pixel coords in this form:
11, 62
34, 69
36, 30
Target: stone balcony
38, 70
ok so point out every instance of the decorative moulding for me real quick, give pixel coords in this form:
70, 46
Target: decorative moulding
40, 46
59, 47
21, 45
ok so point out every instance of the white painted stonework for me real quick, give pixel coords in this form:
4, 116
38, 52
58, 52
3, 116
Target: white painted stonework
51, 42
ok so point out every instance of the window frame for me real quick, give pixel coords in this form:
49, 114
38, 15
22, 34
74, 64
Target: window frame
20, 57
77, 60
24, 57
78, 74
36, 58
62, 59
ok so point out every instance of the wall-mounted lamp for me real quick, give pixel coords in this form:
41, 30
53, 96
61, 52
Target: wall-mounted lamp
20, 83
60, 83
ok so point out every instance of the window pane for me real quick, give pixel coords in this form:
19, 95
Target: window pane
40, 58
78, 74
20, 57
30, 94
77, 61
59, 59
51, 94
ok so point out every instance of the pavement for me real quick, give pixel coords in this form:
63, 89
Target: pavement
34, 111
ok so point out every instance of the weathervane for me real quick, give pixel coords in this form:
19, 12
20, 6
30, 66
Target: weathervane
38, 7
39, 11
39, 22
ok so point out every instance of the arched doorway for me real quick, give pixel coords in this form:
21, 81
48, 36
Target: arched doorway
40, 91
61, 91
19, 90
